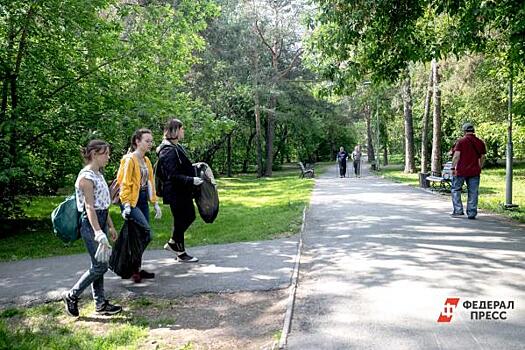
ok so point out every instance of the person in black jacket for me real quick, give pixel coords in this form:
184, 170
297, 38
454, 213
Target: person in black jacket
342, 156
178, 182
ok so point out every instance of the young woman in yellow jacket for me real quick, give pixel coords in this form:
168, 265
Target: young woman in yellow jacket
137, 188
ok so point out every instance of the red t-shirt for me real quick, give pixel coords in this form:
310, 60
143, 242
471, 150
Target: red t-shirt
471, 148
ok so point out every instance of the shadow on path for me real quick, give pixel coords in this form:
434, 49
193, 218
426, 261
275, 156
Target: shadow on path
379, 260
251, 266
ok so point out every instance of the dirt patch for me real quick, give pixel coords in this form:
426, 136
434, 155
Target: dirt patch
247, 320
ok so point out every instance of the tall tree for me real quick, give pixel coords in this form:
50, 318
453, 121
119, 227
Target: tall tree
425, 123
410, 166
369, 136
84, 69
274, 25
436, 121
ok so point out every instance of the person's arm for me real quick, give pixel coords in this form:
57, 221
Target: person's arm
86, 186
482, 160
455, 160
127, 180
151, 182
483, 154
112, 230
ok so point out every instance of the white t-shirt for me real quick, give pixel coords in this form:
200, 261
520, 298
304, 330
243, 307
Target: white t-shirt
100, 190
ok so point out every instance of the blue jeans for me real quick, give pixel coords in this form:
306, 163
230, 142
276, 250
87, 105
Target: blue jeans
140, 213
472, 198
95, 275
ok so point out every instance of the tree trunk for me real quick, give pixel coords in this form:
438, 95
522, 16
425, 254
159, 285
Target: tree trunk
385, 146
6, 73
370, 147
436, 130
270, 133
410, 166
281, 144
257, 109
258, 137
248, 151
424, 128
5, 93
229, 156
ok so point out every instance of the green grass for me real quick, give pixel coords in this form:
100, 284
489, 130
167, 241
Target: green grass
47, 327
250, 209
491, 191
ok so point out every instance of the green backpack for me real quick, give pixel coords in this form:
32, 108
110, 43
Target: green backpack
66, 220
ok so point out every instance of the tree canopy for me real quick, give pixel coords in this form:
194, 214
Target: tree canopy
257, 82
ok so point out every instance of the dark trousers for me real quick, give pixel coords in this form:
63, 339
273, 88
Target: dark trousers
357, 167
140, 213
342, 168
183, 216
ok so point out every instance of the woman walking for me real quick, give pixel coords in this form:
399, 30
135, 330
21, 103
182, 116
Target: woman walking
93, 201
356, 156
178, 178
135, 176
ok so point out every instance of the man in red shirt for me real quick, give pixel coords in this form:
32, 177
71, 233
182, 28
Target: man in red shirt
467, 161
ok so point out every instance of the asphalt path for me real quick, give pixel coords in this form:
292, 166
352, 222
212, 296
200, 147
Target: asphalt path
224, 268
380, 259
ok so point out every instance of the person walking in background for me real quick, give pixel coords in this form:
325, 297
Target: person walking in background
93, 201
179, 180
467, 161
135, 176
356, 157
342, 156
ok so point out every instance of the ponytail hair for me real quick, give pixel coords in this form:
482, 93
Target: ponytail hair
136, 137
171, 127
93, 147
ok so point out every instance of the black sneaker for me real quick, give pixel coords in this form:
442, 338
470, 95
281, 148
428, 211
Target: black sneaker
184, 257
108, 309
71, 305
174, 247
147, 275
457, 215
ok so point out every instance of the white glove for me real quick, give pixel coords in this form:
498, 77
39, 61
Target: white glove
103, 252
197, 181
158, 212
126, 211
101, 238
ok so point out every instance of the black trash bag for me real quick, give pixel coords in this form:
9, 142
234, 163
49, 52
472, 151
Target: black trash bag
206, 195
126, 257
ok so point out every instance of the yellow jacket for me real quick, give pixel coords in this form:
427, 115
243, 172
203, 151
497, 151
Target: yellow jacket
128, 177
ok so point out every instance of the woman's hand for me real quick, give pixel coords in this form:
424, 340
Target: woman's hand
126, 211
158, 211
113, 233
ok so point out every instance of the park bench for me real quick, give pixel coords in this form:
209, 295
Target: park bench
307, 171
443, 182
